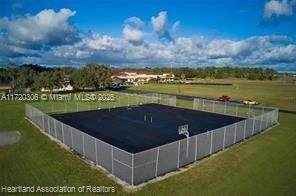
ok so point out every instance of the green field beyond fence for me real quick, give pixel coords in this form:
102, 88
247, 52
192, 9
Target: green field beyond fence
276, 93
78, 102
90, 101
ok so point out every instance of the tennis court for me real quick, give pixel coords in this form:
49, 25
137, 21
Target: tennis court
138, 128
136, 142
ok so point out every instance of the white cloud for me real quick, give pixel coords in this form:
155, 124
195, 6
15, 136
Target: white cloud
136, 21
282, 54
135, 36
176, 26
40, 45
132, 30
159, 24
266, 51
196, 51
46, 28
278, 8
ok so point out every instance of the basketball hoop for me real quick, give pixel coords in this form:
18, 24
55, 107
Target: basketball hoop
183, 130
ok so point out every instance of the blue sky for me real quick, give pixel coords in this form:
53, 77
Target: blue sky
193, 33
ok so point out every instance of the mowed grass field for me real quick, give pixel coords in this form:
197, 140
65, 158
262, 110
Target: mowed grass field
263, 165
276, 93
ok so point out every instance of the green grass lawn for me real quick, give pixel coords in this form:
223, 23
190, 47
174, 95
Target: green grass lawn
36, 160
263, 165
72, 105
270, 93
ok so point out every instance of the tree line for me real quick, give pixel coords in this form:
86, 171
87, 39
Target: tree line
36, 77
97, 76
212, 72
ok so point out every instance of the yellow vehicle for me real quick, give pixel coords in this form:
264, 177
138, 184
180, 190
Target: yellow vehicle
250, 102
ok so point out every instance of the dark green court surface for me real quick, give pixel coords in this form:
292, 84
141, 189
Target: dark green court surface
142, 127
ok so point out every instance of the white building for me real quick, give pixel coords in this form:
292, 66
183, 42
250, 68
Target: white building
133, 77
67, 87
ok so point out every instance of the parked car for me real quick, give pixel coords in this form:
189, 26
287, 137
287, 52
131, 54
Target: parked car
250, 102
224, 98
115, 85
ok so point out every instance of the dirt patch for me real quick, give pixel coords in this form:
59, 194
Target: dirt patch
11, 137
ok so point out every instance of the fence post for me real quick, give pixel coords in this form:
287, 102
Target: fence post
203, 104
26, 110
224, 131
277, 115
253, 128
72, 143
175, 101
245, 127
32, 114
112, 155
213, 106
261, 120
179, 154
225, 107
48, 125
195, 153
96, 150
235, 128
211, 147
63, 133
156, 166
55, 128
83, 150
273, 117
133, 159
43, 122
267, 119
236, 110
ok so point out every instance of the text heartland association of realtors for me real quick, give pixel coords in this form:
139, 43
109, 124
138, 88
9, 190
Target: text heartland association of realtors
56, 189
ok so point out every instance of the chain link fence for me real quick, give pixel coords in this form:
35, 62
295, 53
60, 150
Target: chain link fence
72, 104
136, 168
169, 157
